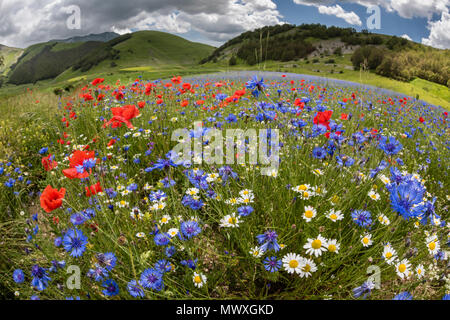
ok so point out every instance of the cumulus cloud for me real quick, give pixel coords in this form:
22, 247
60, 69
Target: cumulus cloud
439, 32
338, 11
24, 22
408, 9
405, 36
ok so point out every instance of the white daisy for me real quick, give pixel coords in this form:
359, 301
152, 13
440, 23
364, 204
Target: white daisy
373, 195
389, 254
256, 252
230, 221
403, 268
199, 279
335, 215
420, 271
366, 240
165, 219
292, 263
316, 246
333, 246
309, 213
172, 232
307, 267
433, 244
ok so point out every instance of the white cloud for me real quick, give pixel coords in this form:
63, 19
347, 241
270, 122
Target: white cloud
338, 11
439, 32
404, 8
405, 36
24, 22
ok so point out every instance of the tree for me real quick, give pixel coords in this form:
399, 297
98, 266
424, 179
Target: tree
232, 61
1, 61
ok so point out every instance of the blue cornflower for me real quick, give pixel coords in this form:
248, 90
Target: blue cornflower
362, 218
18, 276
135, 289
189, 263
57, 265
245, 210
74, 241
162, 239
365, 288
405, 295
190, 228
272, 264
161, 164
231, 118
98, 273
77, 219
152, 279
319, 153
107, 260
163, 266
226, 172
111, 288
170, 251
40, 278
406, 199
446, 297
268, 240
132, 187
43, 150
255, 84
390, 145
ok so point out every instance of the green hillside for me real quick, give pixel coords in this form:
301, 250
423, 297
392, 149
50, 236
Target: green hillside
10, 56
48, 60
389, 56
61, 60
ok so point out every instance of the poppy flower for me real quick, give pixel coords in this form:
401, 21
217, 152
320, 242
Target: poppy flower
323, 118
422, 120
122, 115
97, 81
94, 189
51, 199
48, 163
75, 161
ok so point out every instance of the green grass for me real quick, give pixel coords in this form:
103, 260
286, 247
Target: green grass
223, 253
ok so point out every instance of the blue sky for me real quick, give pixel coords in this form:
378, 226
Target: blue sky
25, 22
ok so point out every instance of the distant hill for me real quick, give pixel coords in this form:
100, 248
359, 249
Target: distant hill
10, 56
385, 55
102, 37
48, 60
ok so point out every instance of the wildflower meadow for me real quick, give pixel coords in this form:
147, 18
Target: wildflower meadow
277, 186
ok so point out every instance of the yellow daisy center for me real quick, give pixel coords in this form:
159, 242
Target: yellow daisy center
402, 268
316, 244
293, 263
388, 255
332, 248
366, 240
232, 220
333, 216
306, 268
432, 245
309, 214
197, 279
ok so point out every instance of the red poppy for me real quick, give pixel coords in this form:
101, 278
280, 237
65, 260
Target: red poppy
51, 199
75, 160
323, 118
141, 104
48, 163
94, 189
176, 80
422, 120
122, 115
344, 116
97, 81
